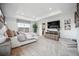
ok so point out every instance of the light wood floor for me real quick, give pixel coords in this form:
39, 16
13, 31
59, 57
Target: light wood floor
44, 47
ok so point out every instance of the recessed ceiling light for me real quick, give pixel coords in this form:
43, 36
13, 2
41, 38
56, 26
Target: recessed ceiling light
33, 16
22, 13
50, 9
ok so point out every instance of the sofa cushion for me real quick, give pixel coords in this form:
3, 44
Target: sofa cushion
21, 38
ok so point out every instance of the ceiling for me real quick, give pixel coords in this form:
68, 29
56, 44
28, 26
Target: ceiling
35, 11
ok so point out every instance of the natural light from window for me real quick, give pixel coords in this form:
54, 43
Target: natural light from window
24, 25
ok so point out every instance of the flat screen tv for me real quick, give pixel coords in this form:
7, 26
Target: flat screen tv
54, 24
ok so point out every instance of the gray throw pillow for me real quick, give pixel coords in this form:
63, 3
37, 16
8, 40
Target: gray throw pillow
21, 37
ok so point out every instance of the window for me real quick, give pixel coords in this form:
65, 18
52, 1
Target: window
24, 25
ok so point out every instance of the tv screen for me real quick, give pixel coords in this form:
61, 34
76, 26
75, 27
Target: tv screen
54, 24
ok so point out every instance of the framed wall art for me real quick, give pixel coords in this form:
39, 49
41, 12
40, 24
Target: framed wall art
67, 24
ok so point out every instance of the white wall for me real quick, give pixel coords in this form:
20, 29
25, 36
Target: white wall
11, 23
68, 33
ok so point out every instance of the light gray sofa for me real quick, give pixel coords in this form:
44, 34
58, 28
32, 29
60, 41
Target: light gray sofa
16, 43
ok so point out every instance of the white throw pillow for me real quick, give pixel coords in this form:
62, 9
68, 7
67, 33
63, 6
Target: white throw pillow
2, 39
3, 30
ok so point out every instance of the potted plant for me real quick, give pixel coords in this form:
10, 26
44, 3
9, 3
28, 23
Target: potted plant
35, 28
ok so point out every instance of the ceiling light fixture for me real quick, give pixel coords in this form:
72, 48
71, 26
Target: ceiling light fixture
22, 13
50, 9
33, 16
